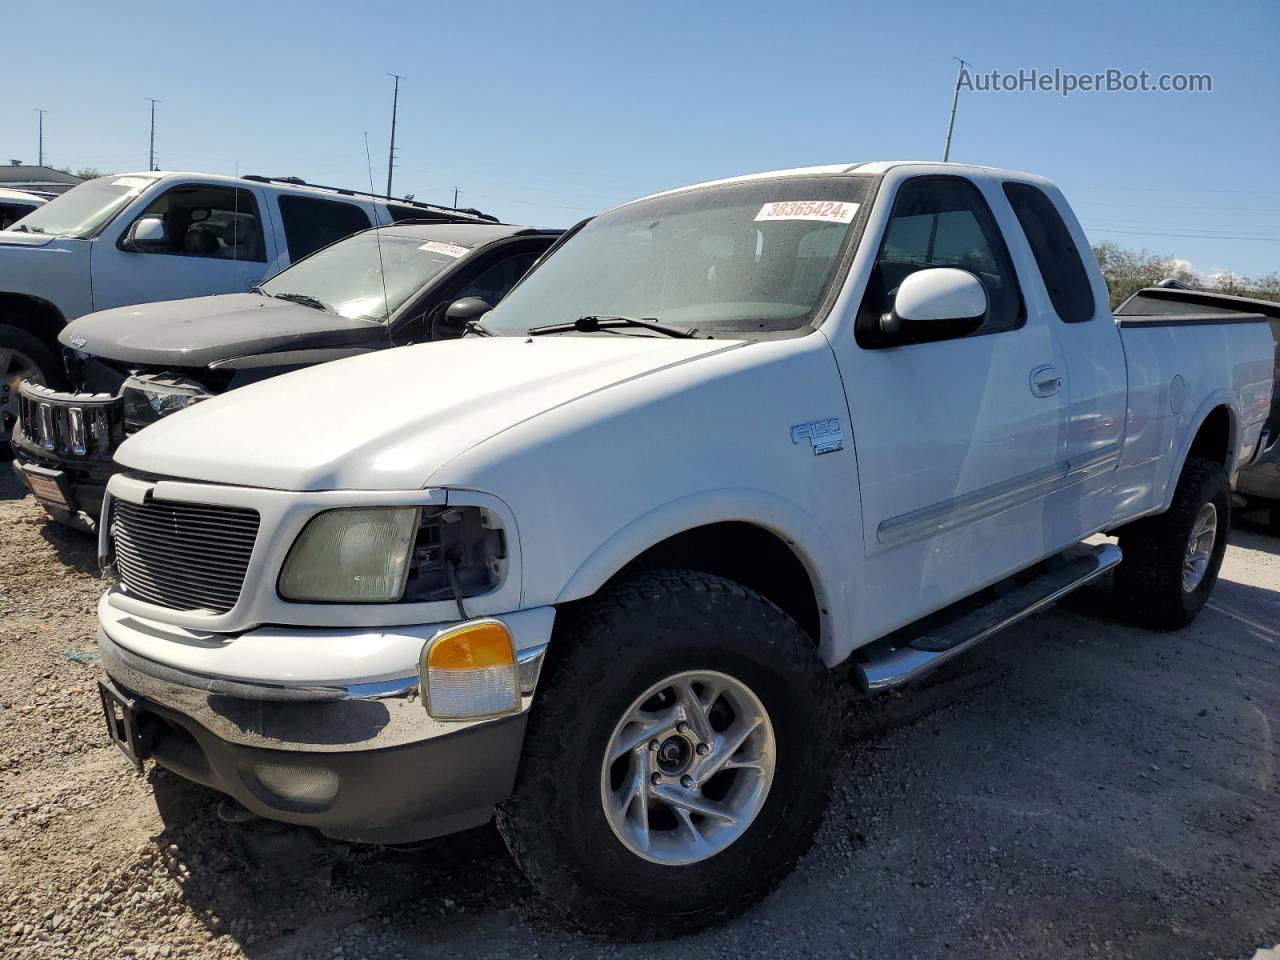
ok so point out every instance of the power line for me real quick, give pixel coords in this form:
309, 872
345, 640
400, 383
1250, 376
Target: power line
1127, 223
1175, 189
1191, 236
1156, 204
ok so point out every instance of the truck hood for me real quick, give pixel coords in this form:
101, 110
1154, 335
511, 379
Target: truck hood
388, 420
20, 238
198, 332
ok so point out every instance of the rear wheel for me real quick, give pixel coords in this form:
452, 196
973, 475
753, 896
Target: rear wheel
677, 759
1171, 560
22, 357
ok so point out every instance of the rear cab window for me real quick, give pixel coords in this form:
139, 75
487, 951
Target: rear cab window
1064, 273
311, 223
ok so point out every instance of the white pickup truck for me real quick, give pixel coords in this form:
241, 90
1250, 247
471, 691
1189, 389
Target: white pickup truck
591, 566
142, 237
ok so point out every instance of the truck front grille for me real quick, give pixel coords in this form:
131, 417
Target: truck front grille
184, 556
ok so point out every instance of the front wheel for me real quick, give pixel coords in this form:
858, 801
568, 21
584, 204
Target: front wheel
1171, 560
677, 760
22, 357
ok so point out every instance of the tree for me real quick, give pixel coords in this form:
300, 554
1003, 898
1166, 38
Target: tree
84, 173
1128, 271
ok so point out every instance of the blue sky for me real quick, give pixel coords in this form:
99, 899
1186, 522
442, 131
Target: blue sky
543, 113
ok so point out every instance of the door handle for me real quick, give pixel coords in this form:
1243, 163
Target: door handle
1046, 381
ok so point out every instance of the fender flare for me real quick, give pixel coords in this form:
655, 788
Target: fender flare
1219, 398
792, 524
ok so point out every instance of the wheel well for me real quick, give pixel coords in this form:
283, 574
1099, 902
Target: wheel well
1213, 440
40, 318
744, 553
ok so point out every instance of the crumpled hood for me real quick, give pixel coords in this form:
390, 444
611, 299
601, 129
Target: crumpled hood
388, 420
197, 332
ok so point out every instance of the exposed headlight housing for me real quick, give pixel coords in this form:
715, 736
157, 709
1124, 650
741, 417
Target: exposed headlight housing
148, 398
358, 555
456, 546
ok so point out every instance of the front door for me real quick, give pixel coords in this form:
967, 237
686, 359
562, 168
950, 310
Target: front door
214, 243
959, 442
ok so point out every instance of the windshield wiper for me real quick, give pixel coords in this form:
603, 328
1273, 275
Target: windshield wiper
306, 300
591, 323
478, 328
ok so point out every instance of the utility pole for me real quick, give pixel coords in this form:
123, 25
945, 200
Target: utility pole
151, 161
951, 124
391, 154
40, 142
455, 198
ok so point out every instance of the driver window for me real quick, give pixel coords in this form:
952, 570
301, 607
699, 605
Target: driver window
496, 281
942, 222
217, 223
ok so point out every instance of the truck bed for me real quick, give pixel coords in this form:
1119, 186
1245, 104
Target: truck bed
1178, 307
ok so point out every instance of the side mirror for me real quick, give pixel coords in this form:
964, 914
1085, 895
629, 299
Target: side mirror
455, 319
147, 233
938, 303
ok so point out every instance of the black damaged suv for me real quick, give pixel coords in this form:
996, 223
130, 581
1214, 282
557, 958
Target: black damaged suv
382, 287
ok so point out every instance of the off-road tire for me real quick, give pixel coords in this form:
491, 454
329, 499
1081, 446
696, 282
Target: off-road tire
13, 338
608, 650
1149, 579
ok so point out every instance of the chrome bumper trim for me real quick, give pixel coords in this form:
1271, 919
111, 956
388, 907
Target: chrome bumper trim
328, 718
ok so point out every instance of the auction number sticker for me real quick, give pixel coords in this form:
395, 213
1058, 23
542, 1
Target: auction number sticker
447, 249
832, 211
133, 183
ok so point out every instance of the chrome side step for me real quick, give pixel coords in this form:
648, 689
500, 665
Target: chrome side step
936, 647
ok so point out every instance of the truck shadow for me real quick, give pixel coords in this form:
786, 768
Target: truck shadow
1251, 529
11, 488
1038, 748
301, 906
77, 550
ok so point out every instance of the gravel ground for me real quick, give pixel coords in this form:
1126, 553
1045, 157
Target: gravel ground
1077, 787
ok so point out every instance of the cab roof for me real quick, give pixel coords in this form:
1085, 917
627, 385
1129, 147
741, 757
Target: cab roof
874, 168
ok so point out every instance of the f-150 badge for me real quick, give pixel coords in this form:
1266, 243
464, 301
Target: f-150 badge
824, 435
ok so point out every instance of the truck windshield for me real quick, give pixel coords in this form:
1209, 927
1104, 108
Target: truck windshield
351, 275
86, 208
754, 257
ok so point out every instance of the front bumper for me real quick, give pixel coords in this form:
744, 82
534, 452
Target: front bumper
43, 436
86, 484
402, 775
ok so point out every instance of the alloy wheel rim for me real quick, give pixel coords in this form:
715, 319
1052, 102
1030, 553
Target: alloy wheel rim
1204, 533
15, 366
688, 768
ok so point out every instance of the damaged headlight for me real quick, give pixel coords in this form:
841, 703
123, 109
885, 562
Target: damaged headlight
390, 554
147, 399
